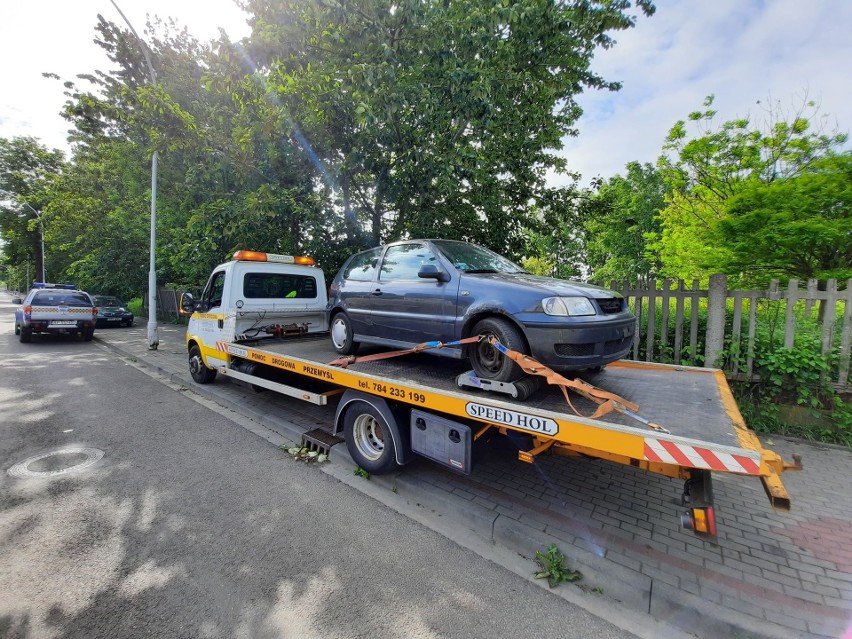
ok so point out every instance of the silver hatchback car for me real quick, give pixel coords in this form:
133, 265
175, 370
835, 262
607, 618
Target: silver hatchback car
406, 293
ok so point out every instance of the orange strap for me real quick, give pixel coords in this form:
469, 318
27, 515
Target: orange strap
607, 402
343, 362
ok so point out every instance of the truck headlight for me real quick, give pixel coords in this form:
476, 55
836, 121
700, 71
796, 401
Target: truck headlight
568, 306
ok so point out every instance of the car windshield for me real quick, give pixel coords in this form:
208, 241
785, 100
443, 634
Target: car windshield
471, 258
101, 300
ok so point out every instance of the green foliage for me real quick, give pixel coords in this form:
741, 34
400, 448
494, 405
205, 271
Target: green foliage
27, 172
360, 472
136, 306
553, 568
621, 215
735, 188
798, 226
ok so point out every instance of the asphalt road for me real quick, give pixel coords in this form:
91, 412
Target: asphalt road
191, 526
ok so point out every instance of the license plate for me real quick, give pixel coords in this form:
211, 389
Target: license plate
64, 323
113, 319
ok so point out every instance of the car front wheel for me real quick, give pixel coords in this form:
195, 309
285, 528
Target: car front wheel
487, 361
342, 338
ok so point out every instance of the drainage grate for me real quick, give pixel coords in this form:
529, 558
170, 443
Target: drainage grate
319, 440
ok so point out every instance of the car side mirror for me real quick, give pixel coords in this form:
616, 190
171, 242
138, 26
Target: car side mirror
187, 304
17, 300
432, 272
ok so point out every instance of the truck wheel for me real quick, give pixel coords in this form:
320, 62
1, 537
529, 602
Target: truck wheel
88, 334
369, 439
199, 371
341, 335
26, 334
17, 329
487, 361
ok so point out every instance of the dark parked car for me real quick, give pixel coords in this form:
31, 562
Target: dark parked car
410, 292
112, 311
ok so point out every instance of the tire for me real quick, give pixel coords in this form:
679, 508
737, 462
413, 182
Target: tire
17, 329
369, 439
26, 335
88, 334
487, 361
198, 369
341, 334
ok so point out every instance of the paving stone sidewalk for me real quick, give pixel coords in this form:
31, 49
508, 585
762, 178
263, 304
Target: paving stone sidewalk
772, 575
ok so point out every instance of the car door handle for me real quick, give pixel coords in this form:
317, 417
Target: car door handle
377, 291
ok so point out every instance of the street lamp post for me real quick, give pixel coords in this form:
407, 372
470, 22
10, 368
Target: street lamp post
153, 338
41, 228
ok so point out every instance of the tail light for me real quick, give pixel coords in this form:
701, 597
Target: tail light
94, 312
700, 520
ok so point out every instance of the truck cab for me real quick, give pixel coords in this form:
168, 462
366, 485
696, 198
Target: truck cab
254, 296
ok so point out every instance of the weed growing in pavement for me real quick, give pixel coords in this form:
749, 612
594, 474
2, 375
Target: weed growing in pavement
360, 472
552, 567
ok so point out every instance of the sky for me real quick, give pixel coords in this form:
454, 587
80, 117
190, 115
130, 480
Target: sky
747, 53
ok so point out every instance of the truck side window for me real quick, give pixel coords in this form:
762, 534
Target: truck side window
212, 295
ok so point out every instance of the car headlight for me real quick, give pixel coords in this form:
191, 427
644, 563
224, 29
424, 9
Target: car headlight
568, 306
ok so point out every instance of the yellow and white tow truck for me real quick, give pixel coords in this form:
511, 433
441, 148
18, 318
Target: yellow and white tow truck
262, 321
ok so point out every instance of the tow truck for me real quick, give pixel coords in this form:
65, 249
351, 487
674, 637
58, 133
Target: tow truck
262, 321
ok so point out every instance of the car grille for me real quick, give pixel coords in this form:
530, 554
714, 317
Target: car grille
574, 350
586, 350
611, 305
617, 345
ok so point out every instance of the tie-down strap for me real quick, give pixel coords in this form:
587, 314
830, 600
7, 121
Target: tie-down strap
607, 401
343, 362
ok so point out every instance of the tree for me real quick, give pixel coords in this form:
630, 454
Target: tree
435, 118
798, 226
704, 173
621, 214
27, 170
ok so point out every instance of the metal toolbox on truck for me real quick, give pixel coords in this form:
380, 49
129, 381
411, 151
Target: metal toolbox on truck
442, 440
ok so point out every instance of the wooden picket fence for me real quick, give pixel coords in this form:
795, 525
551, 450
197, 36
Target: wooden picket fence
672, 330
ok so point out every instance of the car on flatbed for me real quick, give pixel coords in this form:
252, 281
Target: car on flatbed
58, 309
406, 293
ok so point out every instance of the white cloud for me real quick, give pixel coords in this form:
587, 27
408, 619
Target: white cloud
57, 36
740, 51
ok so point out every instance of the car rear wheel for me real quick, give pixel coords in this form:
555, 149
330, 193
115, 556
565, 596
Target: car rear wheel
88, 334
342, 338
26, 334
487, 361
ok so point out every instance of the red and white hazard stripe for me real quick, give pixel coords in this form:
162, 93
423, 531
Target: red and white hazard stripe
666, 452
222, 346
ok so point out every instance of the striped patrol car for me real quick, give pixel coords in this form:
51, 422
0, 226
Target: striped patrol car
56, 308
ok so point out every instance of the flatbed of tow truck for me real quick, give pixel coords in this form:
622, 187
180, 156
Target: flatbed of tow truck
691, 424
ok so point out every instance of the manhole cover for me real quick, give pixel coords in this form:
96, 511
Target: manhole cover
59, 462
